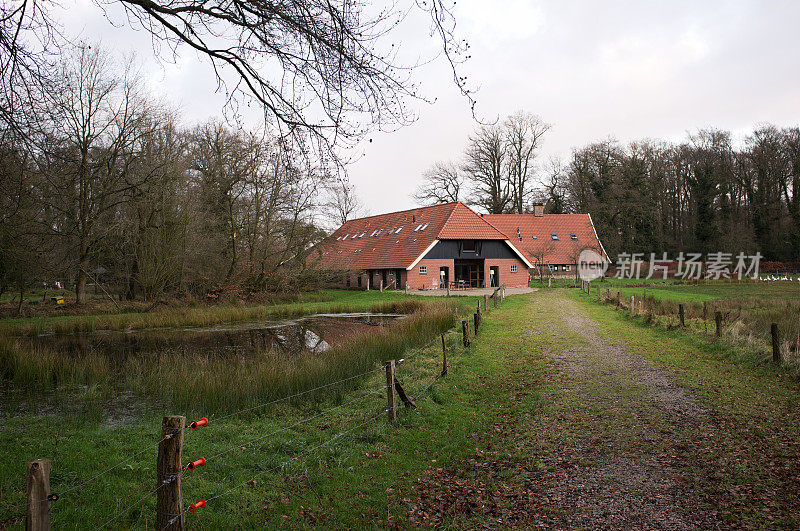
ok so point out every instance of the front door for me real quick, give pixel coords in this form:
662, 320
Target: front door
494, 276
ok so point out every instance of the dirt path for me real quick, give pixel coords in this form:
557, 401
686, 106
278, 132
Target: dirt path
585, 432
624, 424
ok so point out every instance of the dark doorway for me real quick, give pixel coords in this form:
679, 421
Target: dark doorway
384, 279
468, 274
444, 277
494, 276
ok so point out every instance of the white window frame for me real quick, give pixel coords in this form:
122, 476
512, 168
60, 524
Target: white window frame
513, 268
423, 270
567, 267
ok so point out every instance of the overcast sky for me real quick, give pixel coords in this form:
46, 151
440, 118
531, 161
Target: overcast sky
627, 70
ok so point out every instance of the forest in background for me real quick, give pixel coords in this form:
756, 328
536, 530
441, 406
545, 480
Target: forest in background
106, 187
704, 194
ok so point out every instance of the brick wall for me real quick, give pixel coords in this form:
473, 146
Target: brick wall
518, 278
417, 279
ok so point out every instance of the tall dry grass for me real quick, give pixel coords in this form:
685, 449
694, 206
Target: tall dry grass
212, 383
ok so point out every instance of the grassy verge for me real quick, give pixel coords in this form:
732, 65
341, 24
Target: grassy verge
362, 479
746, 317
742, 458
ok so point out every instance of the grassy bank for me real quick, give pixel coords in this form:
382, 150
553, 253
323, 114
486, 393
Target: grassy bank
359, 479
325, 301
747, 315
197, 381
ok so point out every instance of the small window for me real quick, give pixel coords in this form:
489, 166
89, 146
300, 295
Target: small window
423, 270
373, 233
555, 268
513, 268
567, 268
554, 236
398, 229
533, 237
418, 227
468, 246
338, 238
573, 237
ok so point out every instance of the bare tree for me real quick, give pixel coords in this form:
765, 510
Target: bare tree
485, 163
343, 203
325, 68
442, 183
95, 124
540, 252
523, 132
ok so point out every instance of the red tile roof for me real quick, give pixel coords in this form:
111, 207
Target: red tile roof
536, 233
397, 239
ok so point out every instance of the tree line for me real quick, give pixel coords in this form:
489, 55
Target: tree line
704, 194
107, 187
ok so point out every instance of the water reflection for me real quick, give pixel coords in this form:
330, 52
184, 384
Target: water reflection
313, 334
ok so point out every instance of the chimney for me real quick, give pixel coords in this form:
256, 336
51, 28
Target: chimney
538, 209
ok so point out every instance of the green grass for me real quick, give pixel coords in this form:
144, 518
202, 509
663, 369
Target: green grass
748, 311
358, 481
495, 425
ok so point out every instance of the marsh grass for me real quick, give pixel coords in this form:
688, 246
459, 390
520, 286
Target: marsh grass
199, 381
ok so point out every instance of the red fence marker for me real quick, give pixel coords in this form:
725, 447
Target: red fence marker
198, 423
195, 464
200, 503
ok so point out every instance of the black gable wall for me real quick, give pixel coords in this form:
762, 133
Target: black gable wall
447, 249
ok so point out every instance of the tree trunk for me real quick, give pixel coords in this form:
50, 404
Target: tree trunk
80, 284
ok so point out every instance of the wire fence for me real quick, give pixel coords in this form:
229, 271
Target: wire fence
417, 370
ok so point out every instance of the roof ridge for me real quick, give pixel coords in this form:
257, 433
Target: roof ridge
479, 216
401, 211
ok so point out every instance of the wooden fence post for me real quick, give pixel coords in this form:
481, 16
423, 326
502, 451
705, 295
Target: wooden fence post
548, 281
465, 333
169, 501
494, 296
776, 344
37, 480
718, 320
680, 313
448, 288
588, 288
633, 306
486, 302
391, 410
444, 359
477, 322
705, 315
381, 286
406, 288
641, 306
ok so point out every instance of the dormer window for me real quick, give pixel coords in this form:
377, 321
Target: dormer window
573, 237
554, 236
425, 226
419, 227
398, 229
468, 246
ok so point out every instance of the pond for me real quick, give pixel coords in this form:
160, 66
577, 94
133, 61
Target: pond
313, 334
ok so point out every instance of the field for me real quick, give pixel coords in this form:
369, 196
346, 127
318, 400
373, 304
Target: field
564, 412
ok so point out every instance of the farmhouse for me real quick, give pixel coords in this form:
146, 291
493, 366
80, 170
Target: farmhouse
449, 244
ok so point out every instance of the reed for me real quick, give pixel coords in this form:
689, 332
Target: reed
207, 383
